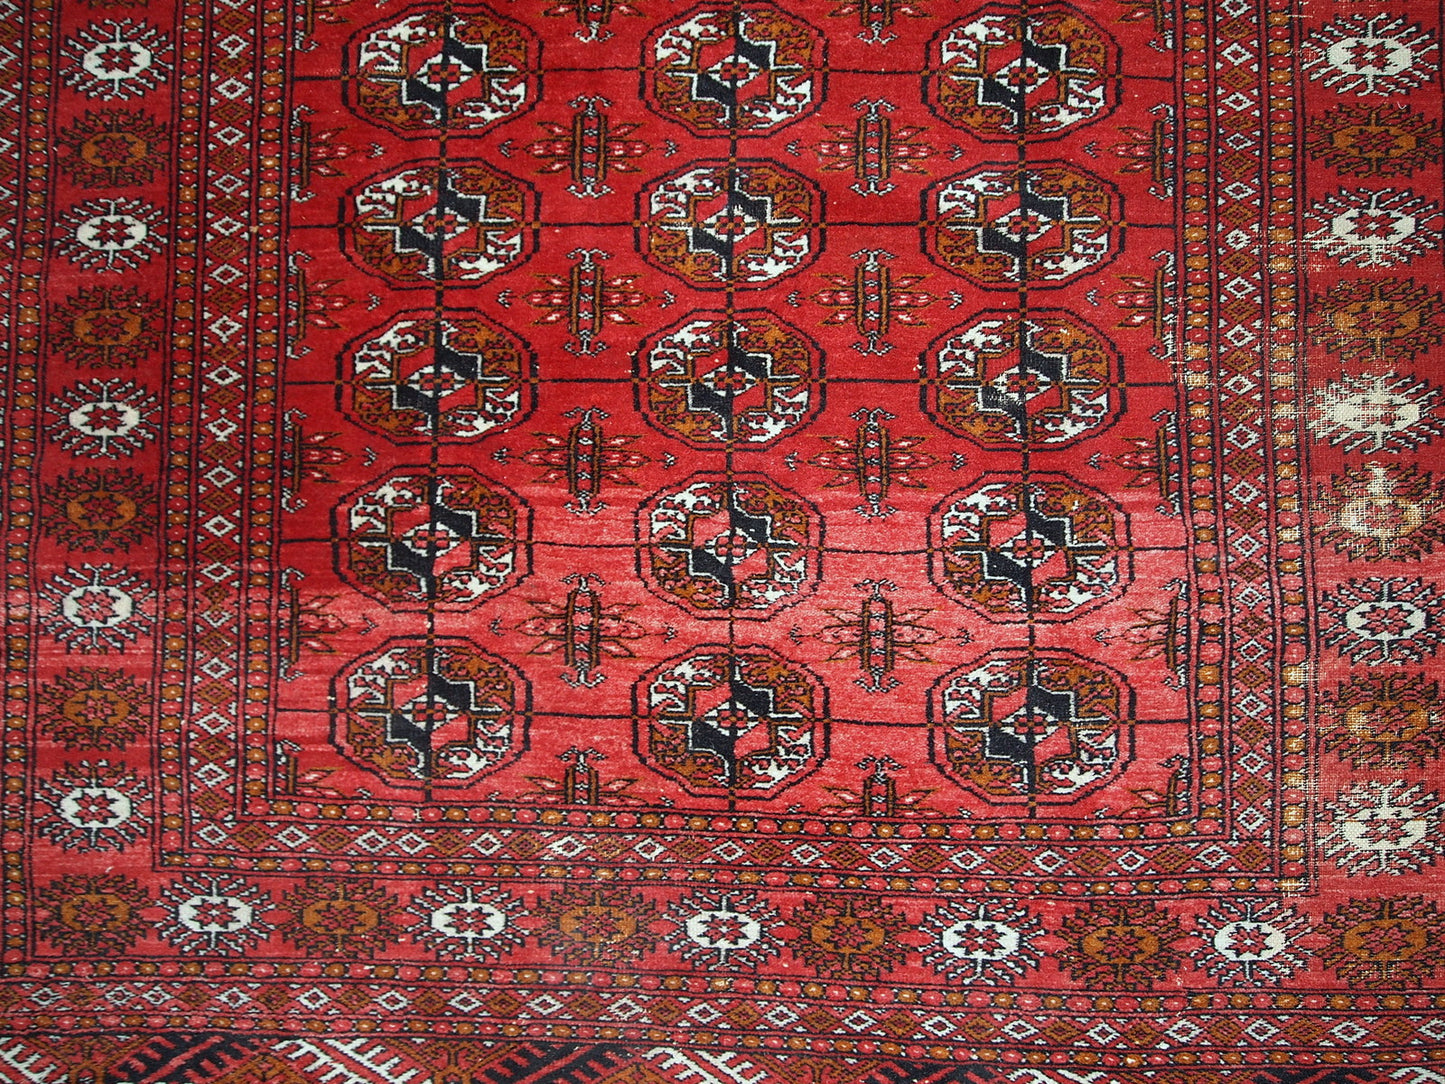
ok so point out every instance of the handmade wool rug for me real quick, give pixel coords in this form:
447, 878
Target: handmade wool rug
769, 541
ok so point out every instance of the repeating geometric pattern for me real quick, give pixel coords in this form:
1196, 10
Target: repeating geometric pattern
722, 542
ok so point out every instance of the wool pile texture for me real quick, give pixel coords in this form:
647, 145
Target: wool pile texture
749, 542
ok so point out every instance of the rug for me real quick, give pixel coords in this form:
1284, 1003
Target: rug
635, 542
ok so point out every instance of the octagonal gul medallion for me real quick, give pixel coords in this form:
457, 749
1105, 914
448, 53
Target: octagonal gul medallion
718, 380
1006, 379
425, 712
428, 223
447, 376
460, 69
731, 721
1032, 727
423, 538
1040, 548
729, 546
1037, 225
724, 224
1006, 72
738, 69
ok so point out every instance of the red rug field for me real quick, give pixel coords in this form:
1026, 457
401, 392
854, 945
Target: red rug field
600, 542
